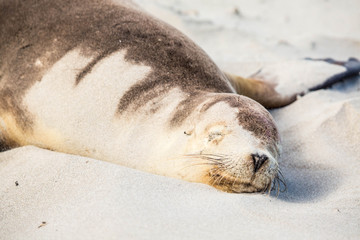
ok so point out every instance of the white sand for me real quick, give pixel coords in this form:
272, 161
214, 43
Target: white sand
82, 198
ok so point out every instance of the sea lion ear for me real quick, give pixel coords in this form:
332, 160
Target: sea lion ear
189, 132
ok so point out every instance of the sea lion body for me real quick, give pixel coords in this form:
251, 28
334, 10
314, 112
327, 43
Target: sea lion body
108, 81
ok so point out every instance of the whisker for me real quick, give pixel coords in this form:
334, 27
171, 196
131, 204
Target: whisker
208, 155
224, 172
281, 178
214, 174
223, 176
218, 175
269, 188
278, 187
204, 160
235, 178
200, 164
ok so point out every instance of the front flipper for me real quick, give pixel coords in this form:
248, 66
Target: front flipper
271, 86
262, 91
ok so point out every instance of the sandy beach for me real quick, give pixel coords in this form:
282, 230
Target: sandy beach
50, 195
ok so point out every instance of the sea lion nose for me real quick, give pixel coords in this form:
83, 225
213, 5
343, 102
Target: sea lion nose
258, 161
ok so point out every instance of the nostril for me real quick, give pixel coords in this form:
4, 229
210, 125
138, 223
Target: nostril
258, 161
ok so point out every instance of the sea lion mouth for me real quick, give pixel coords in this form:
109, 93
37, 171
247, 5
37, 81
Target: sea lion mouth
234, 184
227, 176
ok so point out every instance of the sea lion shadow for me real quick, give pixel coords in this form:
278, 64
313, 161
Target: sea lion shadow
307, 182
306, 186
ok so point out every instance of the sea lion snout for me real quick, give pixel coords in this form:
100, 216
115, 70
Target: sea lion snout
258, 161
251, 173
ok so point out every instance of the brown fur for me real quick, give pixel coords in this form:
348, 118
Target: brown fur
47, 30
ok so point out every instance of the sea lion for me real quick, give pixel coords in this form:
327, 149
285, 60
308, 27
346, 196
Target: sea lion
108, 81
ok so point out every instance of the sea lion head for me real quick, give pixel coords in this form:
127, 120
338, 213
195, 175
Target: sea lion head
233, 144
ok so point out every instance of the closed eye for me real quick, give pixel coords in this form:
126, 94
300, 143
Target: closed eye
215, 135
